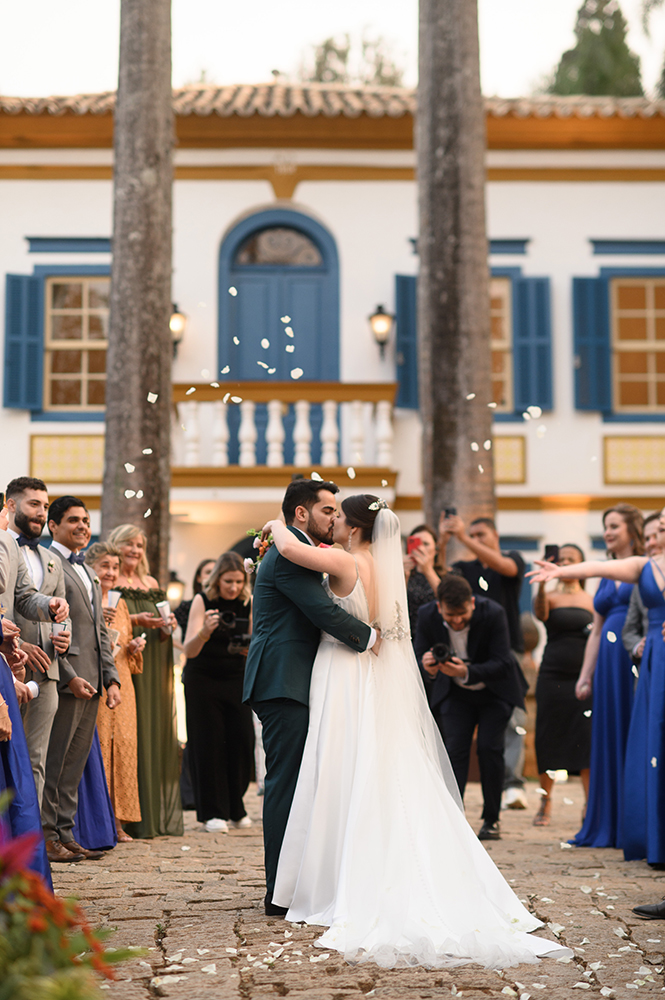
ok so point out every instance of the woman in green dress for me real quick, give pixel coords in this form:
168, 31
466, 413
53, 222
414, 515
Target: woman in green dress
158, 759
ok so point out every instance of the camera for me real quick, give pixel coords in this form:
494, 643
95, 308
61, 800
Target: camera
442, 652
450, 511
236, 630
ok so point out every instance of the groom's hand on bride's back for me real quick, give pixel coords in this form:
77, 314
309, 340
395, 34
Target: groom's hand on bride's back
377, 642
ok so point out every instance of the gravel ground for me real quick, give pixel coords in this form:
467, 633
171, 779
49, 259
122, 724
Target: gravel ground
195, 904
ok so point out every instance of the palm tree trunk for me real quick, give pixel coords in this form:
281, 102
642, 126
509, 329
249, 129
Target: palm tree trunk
140, 352
453, 286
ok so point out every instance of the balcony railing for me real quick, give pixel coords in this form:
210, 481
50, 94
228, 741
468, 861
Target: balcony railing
285, 426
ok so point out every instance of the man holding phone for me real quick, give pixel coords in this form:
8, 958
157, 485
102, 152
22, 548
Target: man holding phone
27, 506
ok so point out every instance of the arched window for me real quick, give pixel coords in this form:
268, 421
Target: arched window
279, 299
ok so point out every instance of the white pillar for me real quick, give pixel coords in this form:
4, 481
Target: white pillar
188, 413
247, 433
329, 434
275, 434
220, 433
384, 433
302, 435
357, 433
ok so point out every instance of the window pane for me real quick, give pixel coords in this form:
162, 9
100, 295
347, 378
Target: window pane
632, 296
67, 328
659, 323
97, 361
66, 361
96, 392
634, 393
498, 327
632, 328
632, 362
659, 296
660, 393
498, 392
67, 296
98, 327
279, 246
498, 362
65, 392
98, 294
660, 362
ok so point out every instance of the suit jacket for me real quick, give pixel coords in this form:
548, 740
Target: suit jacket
19, 592
90, 655
290, 609
491, 659
39, 633
636, 625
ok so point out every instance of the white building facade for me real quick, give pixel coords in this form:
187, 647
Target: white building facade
294, 216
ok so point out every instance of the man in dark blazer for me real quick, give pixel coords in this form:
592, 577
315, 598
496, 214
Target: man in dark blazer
88, 668
290, 609
27, 506
476, 682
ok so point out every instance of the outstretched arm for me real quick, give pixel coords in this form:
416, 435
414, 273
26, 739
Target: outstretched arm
624, 570
333, 561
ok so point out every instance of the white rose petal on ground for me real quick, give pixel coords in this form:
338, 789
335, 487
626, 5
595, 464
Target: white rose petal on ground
210, 969
586, 889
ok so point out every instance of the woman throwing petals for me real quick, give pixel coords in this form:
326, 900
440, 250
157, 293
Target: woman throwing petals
643, 799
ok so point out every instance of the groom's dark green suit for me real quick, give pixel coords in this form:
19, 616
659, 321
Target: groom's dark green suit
290, 610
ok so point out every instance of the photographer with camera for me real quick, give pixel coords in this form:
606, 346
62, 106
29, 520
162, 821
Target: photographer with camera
220, 732
472, 679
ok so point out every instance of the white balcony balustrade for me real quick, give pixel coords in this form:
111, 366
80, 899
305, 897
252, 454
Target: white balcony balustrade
318, 424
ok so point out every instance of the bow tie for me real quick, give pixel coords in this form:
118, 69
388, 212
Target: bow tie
78, 559
30, 542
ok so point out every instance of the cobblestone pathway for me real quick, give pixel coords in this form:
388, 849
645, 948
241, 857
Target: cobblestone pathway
195, 902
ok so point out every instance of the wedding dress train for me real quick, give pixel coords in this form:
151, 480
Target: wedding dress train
377, 847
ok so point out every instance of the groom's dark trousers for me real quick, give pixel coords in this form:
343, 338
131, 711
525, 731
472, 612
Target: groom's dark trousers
290, 610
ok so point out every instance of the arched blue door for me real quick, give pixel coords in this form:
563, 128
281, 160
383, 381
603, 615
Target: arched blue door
279, 299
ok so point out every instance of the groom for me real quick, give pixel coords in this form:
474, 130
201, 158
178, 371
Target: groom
290, 610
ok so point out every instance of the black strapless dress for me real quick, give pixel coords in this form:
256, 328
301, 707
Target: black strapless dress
563, 731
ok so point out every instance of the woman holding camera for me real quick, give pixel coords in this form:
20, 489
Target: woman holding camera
220, 732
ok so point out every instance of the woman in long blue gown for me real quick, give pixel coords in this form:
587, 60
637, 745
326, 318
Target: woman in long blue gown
608, 663
644, 795
613, 685
23, 814
94, 823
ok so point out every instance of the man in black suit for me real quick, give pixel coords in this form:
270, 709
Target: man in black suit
473, 680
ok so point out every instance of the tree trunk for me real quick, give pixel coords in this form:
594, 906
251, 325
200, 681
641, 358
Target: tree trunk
453, 285
140, 353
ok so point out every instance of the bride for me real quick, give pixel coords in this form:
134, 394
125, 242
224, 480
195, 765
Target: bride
377, 848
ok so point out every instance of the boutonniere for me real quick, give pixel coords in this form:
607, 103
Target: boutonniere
50, 565
252, 565
96, 581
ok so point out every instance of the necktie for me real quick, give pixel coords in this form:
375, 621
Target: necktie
78, 559
24, 540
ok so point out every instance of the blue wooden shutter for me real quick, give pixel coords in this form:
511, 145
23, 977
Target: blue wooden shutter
532, 343
23, 343
406, 342
591, 326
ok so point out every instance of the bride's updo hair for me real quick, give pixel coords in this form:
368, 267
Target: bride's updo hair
357, 511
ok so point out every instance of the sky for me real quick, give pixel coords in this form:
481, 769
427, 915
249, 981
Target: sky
70, 46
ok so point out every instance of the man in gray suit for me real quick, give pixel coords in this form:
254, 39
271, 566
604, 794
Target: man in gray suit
27, 505
89, 667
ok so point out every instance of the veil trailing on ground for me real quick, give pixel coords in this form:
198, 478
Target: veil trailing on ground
400, 687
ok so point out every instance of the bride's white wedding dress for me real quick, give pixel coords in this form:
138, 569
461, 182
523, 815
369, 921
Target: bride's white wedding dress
377, 847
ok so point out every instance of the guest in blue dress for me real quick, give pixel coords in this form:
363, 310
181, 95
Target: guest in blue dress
644, 790
94, 823
607, 663
23, 814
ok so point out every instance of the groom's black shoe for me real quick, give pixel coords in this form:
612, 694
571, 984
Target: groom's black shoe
653, 911
272, 910
490, 831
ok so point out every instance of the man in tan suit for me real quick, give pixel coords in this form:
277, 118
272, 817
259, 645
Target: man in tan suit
88, 668
27, 504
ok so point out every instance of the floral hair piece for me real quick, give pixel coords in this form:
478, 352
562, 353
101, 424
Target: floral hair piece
379, 505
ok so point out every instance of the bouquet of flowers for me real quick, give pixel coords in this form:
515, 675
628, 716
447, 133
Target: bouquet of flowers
47, 947
262, 544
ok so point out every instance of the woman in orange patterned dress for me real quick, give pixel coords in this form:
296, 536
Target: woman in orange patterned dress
117, 729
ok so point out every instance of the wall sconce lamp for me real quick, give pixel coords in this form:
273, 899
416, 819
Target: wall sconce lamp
177, 324
175, 589
381, 323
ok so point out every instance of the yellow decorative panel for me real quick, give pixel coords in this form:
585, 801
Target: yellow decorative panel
634, 460
67, 458
510, 459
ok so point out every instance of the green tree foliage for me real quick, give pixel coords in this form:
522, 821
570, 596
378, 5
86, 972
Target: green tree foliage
601, 62
369, 62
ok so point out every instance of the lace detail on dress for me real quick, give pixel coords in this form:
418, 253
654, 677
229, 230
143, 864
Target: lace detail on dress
398, 629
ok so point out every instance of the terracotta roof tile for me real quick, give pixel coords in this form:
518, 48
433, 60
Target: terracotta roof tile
330, 100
